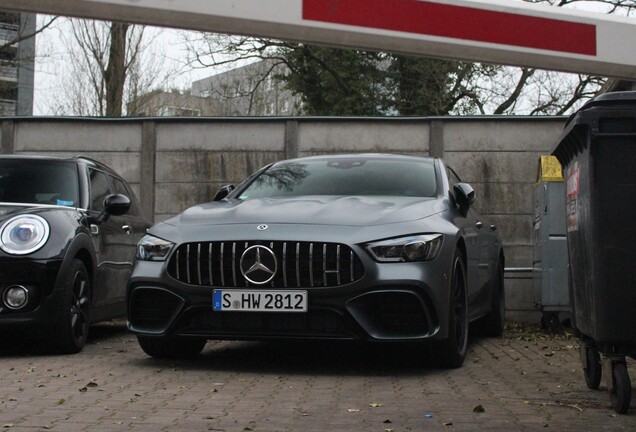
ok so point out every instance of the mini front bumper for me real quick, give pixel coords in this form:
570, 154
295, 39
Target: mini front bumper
39, 278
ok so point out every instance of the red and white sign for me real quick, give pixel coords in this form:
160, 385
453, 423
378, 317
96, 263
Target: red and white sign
495, 31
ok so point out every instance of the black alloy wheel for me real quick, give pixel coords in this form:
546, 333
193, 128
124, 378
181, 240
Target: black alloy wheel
453, 349
70, 332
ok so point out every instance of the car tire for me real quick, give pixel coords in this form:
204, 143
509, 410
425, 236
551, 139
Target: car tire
492, 325
70, 331
452, 351
171, 348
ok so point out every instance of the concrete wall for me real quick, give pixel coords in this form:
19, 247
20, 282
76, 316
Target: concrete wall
175, 163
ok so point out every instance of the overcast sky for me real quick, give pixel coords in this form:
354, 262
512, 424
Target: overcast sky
50, 63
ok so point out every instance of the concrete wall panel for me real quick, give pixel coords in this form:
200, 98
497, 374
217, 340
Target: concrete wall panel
172, 198
221, 136
363, 136
509, 167
77, 136
205, 166
505, 134
503, 198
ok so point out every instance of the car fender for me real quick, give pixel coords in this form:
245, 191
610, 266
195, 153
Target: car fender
80, 247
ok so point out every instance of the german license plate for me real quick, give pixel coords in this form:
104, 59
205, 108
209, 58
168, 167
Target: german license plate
259, 301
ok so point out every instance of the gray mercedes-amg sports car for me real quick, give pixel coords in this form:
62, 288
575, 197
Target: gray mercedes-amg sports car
351, 247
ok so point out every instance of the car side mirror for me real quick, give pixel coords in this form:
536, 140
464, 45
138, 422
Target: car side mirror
223, 192
114, 205
464, 196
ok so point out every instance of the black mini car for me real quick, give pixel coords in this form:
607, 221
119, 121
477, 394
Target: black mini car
68, 230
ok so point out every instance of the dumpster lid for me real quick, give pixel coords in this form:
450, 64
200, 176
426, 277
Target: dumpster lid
574, 138
614, 99
549, 169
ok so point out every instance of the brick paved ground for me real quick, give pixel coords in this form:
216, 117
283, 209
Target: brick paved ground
523, 382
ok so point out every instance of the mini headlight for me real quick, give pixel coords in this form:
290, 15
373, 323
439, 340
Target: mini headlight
423, 247
152, 248
22, 235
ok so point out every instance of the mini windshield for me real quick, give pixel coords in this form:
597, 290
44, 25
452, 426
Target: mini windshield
39, 182
345, 177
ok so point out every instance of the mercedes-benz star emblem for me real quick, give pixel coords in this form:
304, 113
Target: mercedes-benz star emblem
258, 264
262, 227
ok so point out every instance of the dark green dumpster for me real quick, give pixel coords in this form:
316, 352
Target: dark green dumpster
597, 150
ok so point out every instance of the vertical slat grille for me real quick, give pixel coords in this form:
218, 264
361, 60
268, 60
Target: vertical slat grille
300, 264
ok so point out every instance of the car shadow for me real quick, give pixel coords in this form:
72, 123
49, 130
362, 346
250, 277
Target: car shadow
311, 357
33, 345
107, 330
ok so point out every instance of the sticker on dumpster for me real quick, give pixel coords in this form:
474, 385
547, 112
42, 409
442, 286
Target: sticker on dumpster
573, 188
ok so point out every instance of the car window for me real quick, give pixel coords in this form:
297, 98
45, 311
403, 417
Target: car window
39, 182
100, 189
345, 177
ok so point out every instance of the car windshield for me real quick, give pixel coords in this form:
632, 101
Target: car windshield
39, 182
345, 177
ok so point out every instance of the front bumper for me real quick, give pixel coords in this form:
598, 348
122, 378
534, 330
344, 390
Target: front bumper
39, 278
391, 302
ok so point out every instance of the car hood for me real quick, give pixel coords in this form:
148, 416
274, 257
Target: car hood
315, 210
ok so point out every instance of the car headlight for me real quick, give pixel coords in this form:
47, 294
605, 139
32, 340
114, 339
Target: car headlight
423, 247
152, 248
22, 235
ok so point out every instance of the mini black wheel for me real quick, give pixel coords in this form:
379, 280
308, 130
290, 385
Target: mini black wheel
70, 331
621, 391
592, 366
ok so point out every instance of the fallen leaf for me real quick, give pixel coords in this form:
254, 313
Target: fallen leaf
92, 384
479, 409
353, 410
61, 402
447, 423
387, 421
83, 389
375, 405
7, 425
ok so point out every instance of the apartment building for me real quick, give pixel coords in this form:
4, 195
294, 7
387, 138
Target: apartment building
17, 60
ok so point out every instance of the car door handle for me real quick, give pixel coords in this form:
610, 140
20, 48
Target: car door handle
127, 228
479, 225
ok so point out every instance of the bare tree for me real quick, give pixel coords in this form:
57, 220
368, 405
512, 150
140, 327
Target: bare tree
476, 88
109, 65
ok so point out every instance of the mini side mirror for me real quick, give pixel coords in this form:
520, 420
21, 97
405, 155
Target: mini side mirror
114, 205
